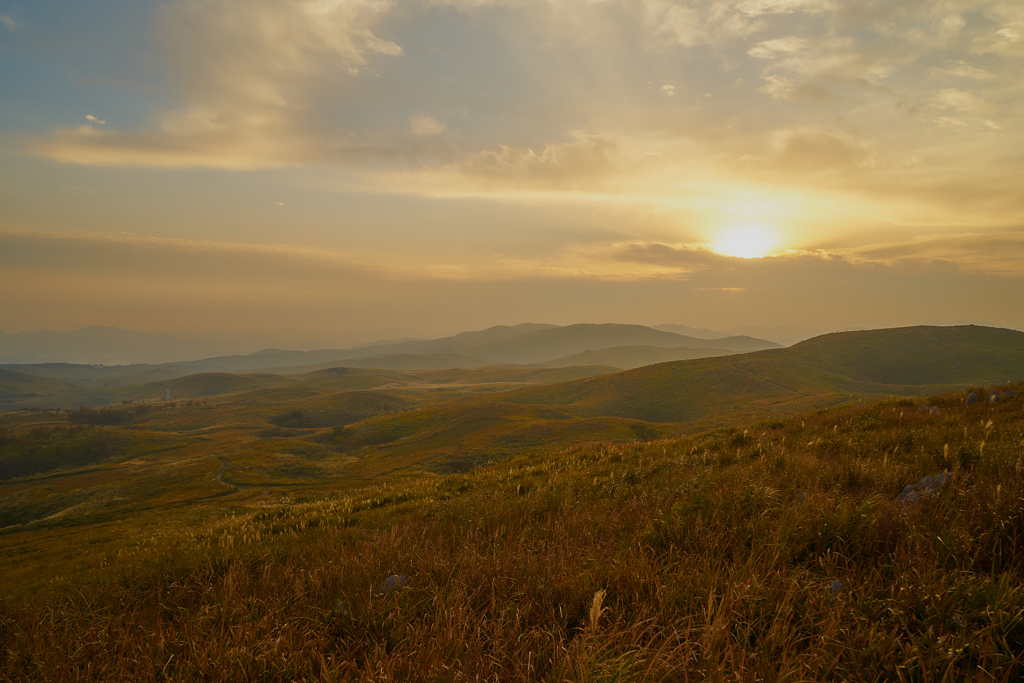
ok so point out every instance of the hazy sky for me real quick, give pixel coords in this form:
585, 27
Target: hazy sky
443, 165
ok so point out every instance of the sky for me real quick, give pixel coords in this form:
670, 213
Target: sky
442, 165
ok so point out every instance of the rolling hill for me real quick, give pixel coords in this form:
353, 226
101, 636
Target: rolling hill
558, 342
822, 372
629, 357
528, 343
219, 383
21, 390
907, 361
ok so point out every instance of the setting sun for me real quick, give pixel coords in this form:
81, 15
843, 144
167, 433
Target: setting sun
749, 240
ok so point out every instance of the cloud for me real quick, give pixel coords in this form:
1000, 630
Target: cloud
1007, 41
813, 150
998, 252
586, 161
805, 68
249, 73
682, 257
10, 22
136, 279
961, 69
754, 8
560, 99
425, 125
958, 100
90, 117
695, 24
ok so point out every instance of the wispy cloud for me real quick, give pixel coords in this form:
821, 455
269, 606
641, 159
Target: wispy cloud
249, 74
425, 125
845, 103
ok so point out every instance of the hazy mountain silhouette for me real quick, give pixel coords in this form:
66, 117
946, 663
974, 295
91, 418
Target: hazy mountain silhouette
116, 346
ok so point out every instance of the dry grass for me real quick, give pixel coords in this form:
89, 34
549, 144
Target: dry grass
774, 552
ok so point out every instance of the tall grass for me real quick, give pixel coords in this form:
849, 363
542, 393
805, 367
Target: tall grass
776, 551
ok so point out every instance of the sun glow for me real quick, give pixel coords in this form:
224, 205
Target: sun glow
749, 240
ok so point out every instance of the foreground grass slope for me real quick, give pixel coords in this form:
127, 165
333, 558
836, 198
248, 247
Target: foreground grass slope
768, 551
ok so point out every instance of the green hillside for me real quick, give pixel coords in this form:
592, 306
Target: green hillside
558, 342
831, 368
629, 357
19, 390
916, 356
410, 361
341, 408
215, 383
17, 385
461, 434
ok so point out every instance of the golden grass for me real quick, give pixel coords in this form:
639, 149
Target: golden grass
776, 551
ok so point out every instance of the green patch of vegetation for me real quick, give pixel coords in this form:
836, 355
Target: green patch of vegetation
216, 383
281, 462
110, 416
342, 408
44, 449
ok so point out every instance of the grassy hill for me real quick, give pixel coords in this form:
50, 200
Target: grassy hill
629, 357
216, 383
527, 343
342, 408
907, 361
544, 345
774, 550
21, 390
457, 436
15, 385
411, 361
692, 394
916, 356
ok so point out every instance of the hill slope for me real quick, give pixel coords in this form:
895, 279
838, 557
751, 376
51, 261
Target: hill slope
759, 552
629, 357
558, 342
819, 373
919, 355
910, 360
502, 344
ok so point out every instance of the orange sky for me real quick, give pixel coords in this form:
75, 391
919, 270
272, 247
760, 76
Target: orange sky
440, 165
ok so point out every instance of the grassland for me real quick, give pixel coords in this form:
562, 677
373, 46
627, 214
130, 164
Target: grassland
60, 469
344, 428
776, 550
733, 518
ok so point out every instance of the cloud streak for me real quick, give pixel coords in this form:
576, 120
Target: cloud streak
248, 74
137, 280
643, 125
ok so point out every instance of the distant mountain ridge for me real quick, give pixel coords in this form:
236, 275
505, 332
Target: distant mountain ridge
116, 346
527, 343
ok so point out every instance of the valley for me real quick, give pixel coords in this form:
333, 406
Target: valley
617, 477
